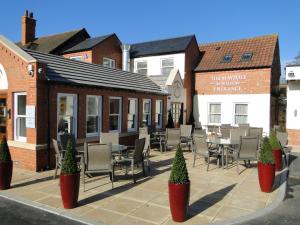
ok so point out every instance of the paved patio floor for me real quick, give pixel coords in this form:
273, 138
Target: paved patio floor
216, 195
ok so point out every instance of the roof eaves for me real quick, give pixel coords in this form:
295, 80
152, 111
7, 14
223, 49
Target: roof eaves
233, 68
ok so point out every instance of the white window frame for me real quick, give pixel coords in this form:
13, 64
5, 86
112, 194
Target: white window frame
161, 65
208, 113
77, 58
120, 114
144, 100
136, 115
146, 68
99, 115
234, 114
112, 62
74, 110
160, 122
16, 116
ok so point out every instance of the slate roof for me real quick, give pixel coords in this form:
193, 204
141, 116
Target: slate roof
263, 49
68, 71
88, 43
48, 44
158, 47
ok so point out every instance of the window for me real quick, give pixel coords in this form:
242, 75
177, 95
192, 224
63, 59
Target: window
132, 114
141, 67
93, 115
158, 113
20, 117
166, 66
214, 113
247, 56
67, 114
240, 113
175, 110
147, 112
227, 58
77, 58
107, 62
115, 113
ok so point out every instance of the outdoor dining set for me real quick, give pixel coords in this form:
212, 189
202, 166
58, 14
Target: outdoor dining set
223, 143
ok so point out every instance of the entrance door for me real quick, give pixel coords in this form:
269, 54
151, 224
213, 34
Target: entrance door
176, 110
2, 117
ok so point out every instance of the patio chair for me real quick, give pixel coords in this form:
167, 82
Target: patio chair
248, 149
172, 137
143, 130
135, 158
225, 130
106, 138
186, 135
97, 159
146, 151
256, 131
244, 125
212, 129
283, 140
201, 148
58, 156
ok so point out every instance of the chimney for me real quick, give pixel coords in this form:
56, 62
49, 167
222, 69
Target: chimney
125, 57
28, 28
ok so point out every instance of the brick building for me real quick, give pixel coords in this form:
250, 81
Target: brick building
238, 82
47, 94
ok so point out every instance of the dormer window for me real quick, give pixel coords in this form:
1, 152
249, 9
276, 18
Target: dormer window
227, 58
77, 58
291, 74
247, 56
107, 62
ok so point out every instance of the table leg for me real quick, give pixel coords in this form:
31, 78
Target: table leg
222, 151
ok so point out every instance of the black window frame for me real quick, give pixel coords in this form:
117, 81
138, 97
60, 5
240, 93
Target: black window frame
249, 58
224, 60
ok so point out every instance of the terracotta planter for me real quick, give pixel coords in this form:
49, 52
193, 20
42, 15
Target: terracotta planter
69, 189
266, 176
277, 153
179, 196
5, 174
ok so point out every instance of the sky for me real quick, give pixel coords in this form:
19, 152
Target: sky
143, 20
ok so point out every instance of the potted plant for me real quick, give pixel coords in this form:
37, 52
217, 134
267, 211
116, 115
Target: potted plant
266, 167
276, 149
69, 178
6, 165
179, 187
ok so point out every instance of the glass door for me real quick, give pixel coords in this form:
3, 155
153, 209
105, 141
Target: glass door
20, 117
2, 117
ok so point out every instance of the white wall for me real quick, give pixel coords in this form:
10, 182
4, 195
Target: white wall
293, 105
258, 108
295, 70
154, 63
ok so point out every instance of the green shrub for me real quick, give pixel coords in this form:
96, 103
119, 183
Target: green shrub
170, 123
179, 173
69, 165
4, 151
266, 155
274, 141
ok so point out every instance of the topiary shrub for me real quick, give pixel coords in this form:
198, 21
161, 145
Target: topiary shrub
4, 151
179, 173
170, 123
266, 155
274, 141
69, 165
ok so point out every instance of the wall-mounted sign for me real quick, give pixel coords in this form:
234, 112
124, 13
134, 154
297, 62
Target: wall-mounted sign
30, 116
227, 83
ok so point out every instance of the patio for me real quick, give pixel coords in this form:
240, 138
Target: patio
216, 195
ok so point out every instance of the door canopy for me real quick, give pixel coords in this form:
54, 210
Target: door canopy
3, 79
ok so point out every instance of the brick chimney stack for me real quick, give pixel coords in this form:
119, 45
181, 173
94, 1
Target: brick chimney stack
28, 28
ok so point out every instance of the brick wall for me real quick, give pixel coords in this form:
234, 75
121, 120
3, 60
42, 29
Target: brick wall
293, 137
86, 55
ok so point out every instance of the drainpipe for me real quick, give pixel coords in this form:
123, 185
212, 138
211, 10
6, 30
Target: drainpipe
125, 56
49, 138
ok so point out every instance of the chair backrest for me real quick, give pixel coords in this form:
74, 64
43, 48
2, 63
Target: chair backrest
106, 138
244, 125
138, 150
200, 131
225, 130
212, 129
256, 131
236, 133
282, 138
173, 136
200, 144
248, 147
147, 141
98, 157
186, 130
64, 139
143, 130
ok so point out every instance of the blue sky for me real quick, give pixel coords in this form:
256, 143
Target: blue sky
139, 20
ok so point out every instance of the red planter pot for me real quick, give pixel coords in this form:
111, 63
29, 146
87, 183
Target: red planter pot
5, 174
266, 176
69, 189
277, 153
179, 196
